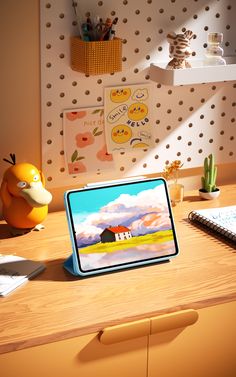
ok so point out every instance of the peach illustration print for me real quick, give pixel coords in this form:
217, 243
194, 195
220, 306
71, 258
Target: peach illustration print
73, 115
103, 155
84, 139
76, 166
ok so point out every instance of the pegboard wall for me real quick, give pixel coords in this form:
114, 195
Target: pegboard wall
189, 121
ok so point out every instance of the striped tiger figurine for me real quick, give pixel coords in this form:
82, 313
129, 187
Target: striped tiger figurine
179, 49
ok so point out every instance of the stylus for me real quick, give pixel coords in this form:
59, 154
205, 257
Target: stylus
115, 181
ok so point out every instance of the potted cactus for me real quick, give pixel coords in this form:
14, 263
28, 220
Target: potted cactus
209, 189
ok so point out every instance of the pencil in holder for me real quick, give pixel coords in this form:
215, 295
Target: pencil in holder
96, 57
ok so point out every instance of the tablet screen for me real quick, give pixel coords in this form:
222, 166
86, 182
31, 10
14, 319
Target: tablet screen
128, 223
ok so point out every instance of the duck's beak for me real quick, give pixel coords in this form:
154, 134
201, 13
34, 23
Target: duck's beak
36, 195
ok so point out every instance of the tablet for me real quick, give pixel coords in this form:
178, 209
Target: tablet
120, 225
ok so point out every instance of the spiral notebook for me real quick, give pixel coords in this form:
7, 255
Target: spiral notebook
220, 220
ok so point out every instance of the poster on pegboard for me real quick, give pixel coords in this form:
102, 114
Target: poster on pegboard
84, 141
128, 123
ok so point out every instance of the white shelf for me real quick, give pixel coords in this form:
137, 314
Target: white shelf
199, 73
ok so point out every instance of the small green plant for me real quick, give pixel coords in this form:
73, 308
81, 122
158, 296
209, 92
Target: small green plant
210, 174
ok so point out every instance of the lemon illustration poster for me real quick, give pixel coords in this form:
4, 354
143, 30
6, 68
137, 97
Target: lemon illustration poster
127, 117
84, 141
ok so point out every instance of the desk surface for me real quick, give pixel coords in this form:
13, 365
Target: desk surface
56, 306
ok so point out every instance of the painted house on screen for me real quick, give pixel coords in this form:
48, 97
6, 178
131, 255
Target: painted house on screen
115, 233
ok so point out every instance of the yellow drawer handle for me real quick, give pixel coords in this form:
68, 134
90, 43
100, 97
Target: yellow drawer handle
144, 327
126, 331
173, 321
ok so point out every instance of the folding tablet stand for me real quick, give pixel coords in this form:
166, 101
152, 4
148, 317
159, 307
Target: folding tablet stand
69, 265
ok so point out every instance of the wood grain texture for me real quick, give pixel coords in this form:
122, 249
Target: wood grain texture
56, 306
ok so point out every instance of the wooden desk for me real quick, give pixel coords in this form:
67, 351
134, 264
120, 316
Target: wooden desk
56, 307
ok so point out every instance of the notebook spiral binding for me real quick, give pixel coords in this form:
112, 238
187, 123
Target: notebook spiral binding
193, 216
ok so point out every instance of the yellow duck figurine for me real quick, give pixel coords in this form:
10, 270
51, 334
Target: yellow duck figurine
25, 200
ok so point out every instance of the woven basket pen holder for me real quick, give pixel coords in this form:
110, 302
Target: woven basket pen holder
96, 57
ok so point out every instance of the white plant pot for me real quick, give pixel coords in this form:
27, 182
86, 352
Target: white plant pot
209, 195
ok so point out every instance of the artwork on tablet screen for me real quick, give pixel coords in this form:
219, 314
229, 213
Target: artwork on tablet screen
122, 224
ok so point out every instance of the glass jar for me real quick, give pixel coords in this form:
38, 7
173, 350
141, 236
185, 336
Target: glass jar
176, 191
214, 51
